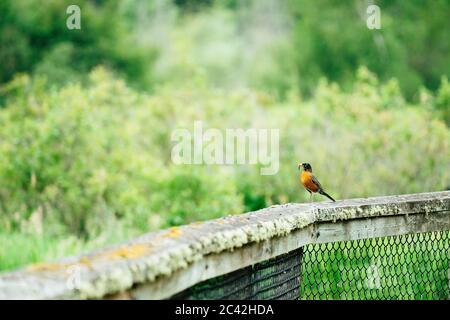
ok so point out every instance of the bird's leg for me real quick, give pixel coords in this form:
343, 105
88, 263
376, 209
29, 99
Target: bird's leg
310, 197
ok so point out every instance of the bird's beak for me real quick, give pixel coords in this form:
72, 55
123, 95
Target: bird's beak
300, 165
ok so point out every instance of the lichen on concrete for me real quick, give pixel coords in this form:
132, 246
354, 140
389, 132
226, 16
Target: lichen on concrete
162, 253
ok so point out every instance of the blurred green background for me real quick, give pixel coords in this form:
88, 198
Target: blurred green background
86, 115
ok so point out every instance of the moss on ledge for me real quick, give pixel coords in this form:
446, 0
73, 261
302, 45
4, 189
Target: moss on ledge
161, 253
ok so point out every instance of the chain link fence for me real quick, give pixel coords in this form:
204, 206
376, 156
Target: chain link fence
412, 266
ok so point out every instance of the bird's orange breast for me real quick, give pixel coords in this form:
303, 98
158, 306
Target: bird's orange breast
306, 180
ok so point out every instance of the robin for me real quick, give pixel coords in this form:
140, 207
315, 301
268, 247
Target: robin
310, 182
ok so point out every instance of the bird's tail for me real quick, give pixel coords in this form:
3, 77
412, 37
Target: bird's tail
326, 195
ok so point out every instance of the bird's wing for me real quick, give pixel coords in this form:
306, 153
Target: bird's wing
316, 182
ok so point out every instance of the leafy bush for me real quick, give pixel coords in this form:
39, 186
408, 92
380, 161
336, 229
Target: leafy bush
86, 156
331, 40
82, 156
270, 45
34, 37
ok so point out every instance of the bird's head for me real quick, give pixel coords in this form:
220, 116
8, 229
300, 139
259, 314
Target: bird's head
305, 166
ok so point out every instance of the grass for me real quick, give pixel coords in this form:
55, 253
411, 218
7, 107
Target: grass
20, 249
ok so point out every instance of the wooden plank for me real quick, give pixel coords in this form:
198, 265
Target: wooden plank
161, 263
322, 232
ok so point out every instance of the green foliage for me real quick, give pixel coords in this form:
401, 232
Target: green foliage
85, 158
442, 101
332, 40
274, 46
81, 156
34, 37
67, 154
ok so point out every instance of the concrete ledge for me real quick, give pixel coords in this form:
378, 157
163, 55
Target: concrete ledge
160, 264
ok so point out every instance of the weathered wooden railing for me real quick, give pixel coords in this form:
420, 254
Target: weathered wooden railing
257, 254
